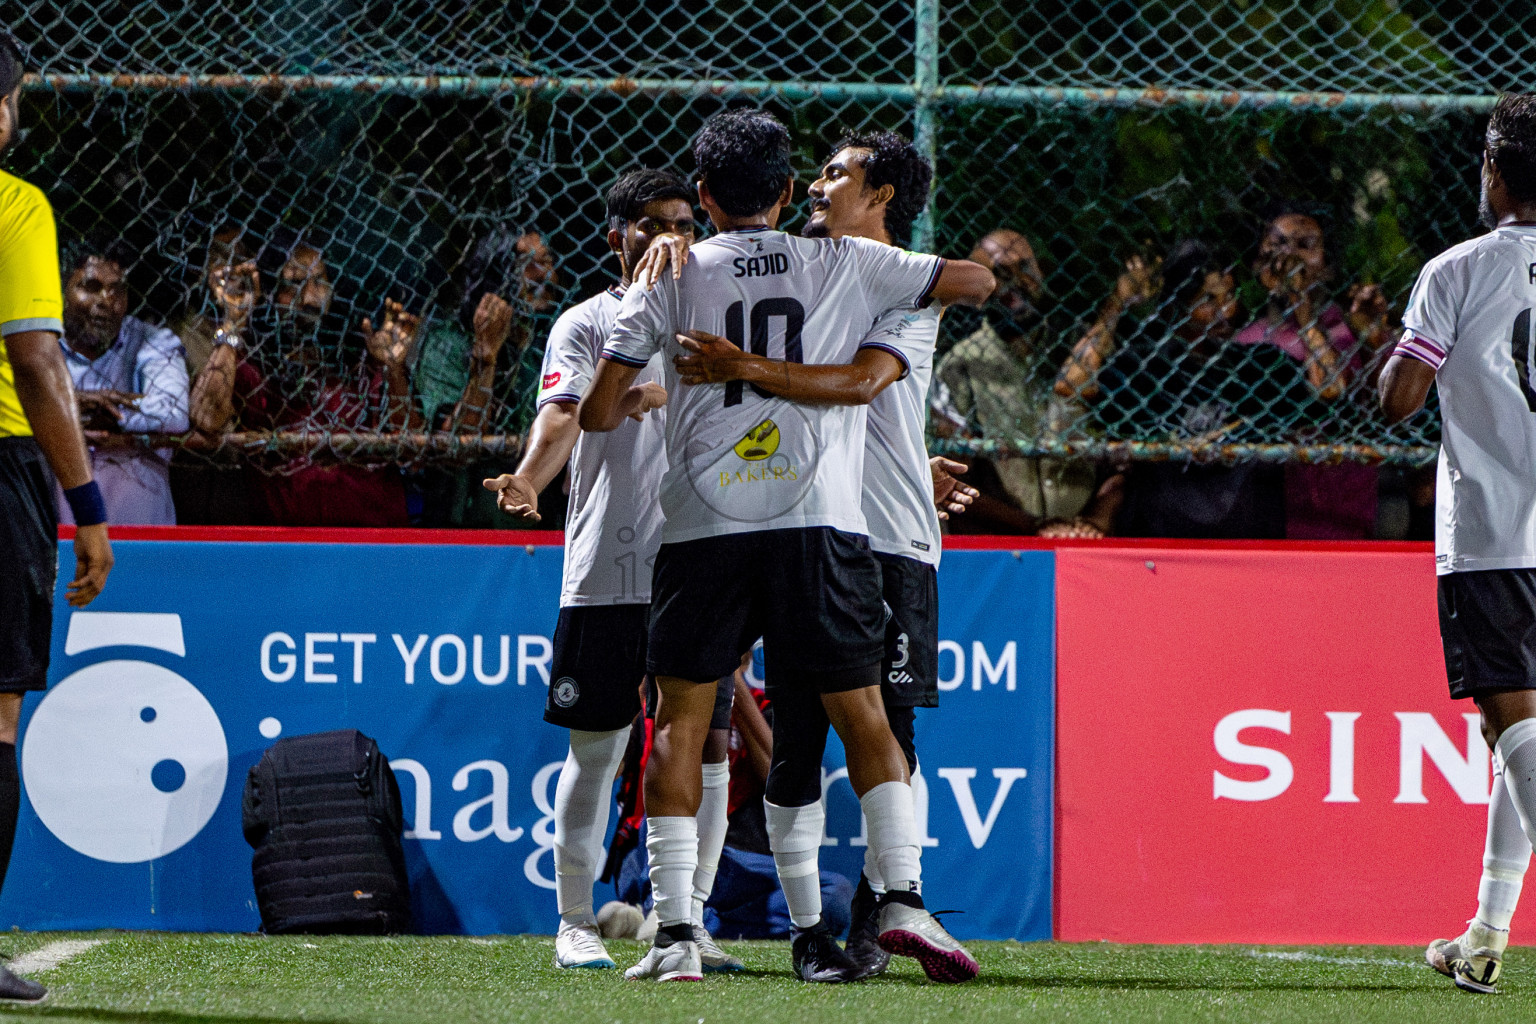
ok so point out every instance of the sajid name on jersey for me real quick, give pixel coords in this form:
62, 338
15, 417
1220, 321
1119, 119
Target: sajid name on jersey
722, 473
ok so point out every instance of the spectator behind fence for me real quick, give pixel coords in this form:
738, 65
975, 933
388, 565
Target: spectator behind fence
198, 322
470, 375
1177, 378
277, 365
1333, 348
130, 377
990, 384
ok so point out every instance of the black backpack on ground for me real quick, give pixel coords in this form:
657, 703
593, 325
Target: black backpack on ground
323, 814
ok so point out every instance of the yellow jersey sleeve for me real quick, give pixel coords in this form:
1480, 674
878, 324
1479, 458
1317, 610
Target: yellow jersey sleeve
31, 298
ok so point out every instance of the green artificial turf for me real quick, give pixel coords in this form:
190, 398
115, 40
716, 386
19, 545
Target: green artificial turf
189, 979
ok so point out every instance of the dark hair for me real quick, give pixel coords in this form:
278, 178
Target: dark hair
743, 156
12, 64
1511, 142
896, 162
75, 252
636, 189
1184, 271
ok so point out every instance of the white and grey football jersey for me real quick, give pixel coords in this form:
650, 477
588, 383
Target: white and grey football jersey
1470, 317
613, 522
898, 485
741, 460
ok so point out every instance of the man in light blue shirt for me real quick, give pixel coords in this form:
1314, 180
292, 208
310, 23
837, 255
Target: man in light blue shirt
130, 377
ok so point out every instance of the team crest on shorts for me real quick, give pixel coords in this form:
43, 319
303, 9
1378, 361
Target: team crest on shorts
565, 691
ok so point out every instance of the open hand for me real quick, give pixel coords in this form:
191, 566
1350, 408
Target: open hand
103, 410
93, 561
665, 250
236, 289
709, 358
1367, 304
1074, 529
647, 396
493, 323
1138, 282
515, 496
950, 496
392, 342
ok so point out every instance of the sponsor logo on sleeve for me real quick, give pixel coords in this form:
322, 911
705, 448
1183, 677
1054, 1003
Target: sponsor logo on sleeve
551, 379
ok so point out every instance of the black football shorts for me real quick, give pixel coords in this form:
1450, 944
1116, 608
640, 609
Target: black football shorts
1488, 629
909, 672
812, 594
598, 667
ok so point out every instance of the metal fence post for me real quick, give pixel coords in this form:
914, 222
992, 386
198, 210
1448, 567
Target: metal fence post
926, 85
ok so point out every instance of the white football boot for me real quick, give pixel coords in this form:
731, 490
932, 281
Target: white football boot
677, 962
579, 945
711, 956
909, 930
1472, 969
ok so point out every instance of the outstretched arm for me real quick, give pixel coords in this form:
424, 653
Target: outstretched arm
555, 432
712, 360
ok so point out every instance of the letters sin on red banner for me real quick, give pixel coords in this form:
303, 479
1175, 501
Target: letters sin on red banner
1257, 745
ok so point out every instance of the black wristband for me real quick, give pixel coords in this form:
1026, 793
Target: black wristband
86, 503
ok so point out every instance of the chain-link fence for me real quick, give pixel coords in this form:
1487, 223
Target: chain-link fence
426, 153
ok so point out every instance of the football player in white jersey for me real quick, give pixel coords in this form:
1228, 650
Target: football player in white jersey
612, 533
873, 186
764, 534
1468, 331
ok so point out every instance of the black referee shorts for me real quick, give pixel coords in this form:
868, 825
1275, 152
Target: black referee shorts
909, 672
812, 594
1488, 629
29, 559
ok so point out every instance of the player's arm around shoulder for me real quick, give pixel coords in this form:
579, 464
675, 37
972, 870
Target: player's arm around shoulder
710, 359
964, 283
644, 320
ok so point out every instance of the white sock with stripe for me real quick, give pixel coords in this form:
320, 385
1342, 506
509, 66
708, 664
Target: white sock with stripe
794, 836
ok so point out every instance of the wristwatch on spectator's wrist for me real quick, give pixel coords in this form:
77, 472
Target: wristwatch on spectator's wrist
225, 336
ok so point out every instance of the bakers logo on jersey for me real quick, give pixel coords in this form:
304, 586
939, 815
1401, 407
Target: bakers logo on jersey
551, 379
760, 442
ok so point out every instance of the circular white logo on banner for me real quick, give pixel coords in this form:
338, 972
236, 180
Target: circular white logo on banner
125, 761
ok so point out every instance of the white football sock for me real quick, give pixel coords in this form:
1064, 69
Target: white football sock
673, 847
583, 797
872, 867
713, 805
893, 837
794, 836
1506, 856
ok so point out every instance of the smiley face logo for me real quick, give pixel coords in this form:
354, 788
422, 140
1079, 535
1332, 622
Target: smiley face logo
760, 442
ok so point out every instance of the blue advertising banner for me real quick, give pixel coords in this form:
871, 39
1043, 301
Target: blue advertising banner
199, 655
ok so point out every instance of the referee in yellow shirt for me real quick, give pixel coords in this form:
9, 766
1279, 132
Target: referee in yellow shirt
39, 424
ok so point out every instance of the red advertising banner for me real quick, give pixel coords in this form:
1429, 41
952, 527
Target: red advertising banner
1256, 745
